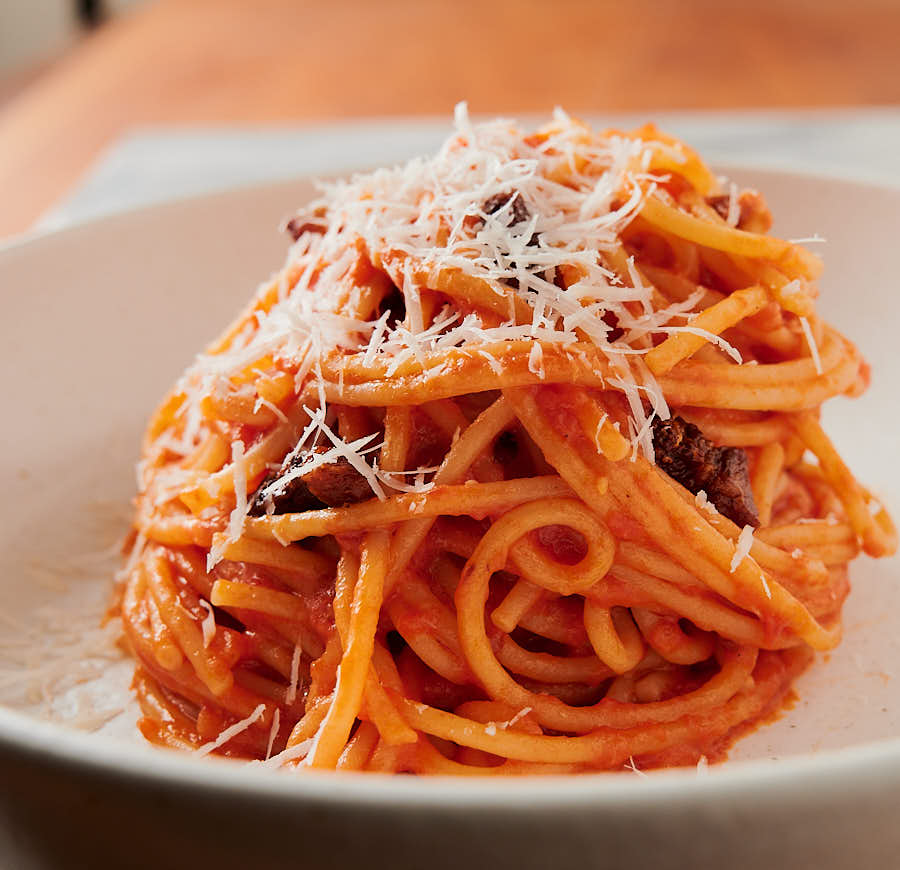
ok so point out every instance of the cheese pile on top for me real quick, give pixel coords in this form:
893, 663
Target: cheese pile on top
495, 203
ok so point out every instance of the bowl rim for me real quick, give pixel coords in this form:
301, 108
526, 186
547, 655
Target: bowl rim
857, 767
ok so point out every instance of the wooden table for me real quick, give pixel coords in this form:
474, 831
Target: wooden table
213, 61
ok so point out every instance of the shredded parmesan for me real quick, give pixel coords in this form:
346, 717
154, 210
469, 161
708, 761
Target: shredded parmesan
811, 343
536, 360
634, 768
742, 548
209, 623
431, 215
273, 733
518, 717
703, 503
295, 674
232, 731
292, 753
809, 240
734, 206
265, 403
489, 205
241, 507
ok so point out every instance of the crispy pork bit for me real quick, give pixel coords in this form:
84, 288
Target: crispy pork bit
338, 484
518, 211
298, 225
686, 456
334, 485
753, 213
285, 497
720, 203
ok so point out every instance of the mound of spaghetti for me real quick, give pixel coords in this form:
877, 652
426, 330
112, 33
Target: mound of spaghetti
514, 467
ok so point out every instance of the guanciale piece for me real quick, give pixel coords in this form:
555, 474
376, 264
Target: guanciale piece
333, 485
698, 464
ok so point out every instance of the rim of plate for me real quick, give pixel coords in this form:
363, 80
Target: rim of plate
856, 767
828, 174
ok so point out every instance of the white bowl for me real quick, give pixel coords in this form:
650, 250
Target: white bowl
97, 322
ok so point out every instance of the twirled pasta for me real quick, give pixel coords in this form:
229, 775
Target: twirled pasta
486, 342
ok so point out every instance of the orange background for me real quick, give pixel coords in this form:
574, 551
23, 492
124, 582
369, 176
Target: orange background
219, 61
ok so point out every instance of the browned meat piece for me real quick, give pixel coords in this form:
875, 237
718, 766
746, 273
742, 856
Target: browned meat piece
290, 497
338, 484
506, 447
518, 211
395, 304
333, 485
299, 225
719, 203
754, 215
612, 321
722, 472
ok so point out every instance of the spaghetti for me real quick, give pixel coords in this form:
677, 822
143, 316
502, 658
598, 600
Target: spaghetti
515, 467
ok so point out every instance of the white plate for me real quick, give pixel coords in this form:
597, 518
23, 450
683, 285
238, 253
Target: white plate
97, 322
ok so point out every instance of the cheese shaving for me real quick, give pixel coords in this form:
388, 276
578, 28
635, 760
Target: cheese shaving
811, 344
634, 768
232, 731
273, 732
742, 548
293, 688
431, 215
703, 503
536, 360
517, 718
734, 206
208, 625
528, 217
241, 506
292, 753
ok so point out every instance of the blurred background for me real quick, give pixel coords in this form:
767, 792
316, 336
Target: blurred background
146, 98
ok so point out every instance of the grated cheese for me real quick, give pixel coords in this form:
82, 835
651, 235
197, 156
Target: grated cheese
232, 731
811, 343
292, 753
734, 206
536, 360
634, 768
241, 507
273, 733
209, 623
742, 548
430, 217
265, 403
702, 501
518, 717
295, 674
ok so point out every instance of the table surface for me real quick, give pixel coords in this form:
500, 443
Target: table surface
223, 61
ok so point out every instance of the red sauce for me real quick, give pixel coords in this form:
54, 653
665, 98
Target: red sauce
563, 543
